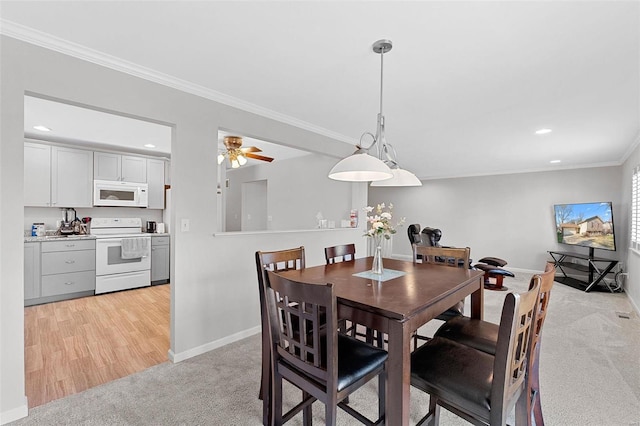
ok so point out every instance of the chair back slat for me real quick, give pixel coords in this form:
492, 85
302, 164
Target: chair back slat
344, 253
446, 256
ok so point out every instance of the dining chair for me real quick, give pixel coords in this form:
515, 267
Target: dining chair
344, 253
479, 387
443, 256
483, 335
307, 351
280, 260
347, 253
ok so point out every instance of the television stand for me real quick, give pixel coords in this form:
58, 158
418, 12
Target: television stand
595, 274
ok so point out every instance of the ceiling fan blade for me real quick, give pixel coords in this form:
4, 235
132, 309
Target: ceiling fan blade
258, 157
251, 149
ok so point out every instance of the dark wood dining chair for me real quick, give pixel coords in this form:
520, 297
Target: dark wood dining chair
307, 351
483, 335
479, 387
443, 256
281, 260
341, 253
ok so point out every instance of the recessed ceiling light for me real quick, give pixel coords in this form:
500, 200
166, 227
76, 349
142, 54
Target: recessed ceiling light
543, 131
555, 161
149, 145
42, 128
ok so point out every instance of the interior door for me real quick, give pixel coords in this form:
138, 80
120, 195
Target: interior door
254, 206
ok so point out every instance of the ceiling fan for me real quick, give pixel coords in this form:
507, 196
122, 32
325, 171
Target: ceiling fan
238, 155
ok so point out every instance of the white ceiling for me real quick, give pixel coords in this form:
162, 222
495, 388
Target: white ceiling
465, 86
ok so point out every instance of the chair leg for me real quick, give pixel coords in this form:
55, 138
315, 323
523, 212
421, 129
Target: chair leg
382, 393
523, 415
537, 410
307, 414
266, 390
331, 412
276, 400
435, 409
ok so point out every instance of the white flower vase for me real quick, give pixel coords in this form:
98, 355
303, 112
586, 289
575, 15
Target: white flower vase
377, 267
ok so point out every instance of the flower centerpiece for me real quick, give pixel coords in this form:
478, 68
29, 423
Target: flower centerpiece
380, 226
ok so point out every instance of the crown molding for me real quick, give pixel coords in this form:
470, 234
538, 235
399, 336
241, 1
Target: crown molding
48, 41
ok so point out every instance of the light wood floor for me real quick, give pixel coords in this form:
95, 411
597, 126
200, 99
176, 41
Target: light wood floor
73, 345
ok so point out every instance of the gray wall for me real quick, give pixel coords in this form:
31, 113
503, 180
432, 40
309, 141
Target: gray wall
304, 176
211, 277
633, 257
507, 216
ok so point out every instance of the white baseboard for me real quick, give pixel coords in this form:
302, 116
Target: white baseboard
181, 356
15, 413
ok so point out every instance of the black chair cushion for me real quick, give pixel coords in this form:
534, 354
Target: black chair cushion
495, 261
458, 373
356, 359
478, 334
493, 270
453, 312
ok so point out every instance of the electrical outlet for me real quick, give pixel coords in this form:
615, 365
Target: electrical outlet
184, 225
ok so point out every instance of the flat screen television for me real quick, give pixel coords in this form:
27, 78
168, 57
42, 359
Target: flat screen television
586, 224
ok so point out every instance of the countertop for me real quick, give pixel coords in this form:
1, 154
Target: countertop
31, 239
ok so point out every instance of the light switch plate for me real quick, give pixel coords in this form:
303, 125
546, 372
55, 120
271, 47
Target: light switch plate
184, 225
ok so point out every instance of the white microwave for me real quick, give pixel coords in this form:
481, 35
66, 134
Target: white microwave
121, 194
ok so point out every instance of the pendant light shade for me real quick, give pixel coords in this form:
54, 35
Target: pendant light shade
360, 167
400, 177
382, 170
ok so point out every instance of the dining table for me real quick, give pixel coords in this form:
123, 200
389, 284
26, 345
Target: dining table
405, 297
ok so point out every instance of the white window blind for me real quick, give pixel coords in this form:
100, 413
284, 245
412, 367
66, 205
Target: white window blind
635, 209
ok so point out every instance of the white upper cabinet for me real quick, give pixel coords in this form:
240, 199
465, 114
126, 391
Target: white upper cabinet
37, 175
155, 180
71, 171
57, 176
128, 168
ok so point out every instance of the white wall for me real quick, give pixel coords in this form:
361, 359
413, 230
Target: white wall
632, 285
506, 216
305, 176
210, 275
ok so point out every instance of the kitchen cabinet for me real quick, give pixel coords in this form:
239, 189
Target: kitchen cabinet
31, 271
155, 181
127, 168
56, 176
37, 175
66, 270
160, 259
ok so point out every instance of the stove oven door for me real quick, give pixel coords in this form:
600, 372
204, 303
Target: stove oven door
109, 257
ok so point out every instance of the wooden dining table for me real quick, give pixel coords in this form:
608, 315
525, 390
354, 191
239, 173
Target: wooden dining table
397, 307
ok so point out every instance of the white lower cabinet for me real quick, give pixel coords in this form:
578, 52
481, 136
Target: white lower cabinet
160, 260
64, 269
31, 271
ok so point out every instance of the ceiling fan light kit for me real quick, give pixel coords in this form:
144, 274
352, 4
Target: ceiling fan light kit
237, 155
382, 170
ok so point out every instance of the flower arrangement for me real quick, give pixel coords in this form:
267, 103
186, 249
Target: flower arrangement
379, 218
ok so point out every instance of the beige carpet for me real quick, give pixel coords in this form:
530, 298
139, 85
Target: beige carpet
590, 375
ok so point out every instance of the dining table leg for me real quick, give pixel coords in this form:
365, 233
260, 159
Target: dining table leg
399, 374
477, 301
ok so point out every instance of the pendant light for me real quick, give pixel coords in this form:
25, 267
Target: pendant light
383, 169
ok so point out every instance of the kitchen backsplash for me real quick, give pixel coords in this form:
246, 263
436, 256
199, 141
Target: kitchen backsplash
49, 215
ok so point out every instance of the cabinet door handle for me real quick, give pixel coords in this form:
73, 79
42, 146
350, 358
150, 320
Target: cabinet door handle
69, 283
69, 261
70, 245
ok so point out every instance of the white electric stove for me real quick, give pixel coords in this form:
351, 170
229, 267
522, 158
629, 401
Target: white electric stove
113, 272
